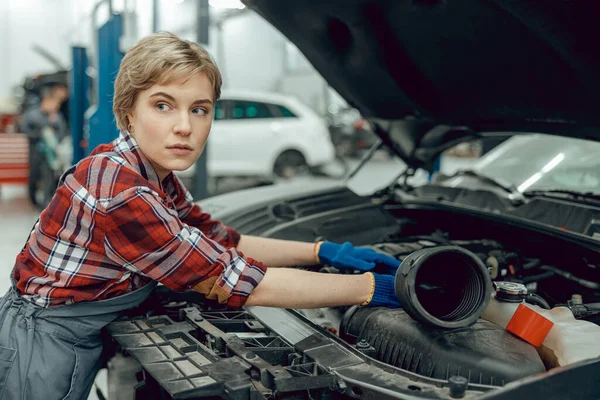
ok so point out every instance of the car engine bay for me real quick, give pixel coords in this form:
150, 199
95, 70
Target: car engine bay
190, 347
401, 341
546, 281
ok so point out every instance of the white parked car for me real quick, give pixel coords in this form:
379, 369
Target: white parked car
264, 135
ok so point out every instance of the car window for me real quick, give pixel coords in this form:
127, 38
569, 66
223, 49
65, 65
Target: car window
243, 109
221, 110
284, 112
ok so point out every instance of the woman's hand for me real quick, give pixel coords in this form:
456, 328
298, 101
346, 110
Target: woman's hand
344, 256
383, 292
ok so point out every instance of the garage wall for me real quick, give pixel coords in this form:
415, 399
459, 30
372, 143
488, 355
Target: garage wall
256, 56
22, 24
55, 25
251, 53
4, 40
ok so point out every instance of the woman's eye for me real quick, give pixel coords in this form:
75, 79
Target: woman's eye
199, 111
162, 107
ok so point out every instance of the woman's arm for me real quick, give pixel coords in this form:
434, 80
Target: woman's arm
291, 288
277, 253
144, 234
191, 214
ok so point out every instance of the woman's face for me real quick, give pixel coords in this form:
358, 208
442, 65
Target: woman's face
171, 122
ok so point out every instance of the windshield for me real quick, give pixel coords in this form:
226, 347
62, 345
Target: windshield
545, 162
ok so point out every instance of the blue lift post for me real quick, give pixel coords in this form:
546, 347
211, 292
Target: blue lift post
78, 101
199, 186
102, 127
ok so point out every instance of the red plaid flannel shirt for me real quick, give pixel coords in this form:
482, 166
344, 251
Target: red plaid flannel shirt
113, 227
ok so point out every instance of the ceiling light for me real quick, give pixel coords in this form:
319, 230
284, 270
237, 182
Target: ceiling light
235, 4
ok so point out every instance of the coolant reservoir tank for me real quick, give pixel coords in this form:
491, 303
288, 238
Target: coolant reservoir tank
559, 337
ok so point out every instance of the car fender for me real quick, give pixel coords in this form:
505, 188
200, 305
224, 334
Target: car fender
224, 205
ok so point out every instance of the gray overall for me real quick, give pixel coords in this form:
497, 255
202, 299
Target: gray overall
54, 353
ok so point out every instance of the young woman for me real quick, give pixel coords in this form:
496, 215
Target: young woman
121, 222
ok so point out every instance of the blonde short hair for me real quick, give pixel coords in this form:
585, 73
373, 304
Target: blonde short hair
158, 59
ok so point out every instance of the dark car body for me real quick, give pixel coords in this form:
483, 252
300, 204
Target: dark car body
428, 74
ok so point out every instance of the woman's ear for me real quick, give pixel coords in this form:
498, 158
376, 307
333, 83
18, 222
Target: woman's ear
130, 127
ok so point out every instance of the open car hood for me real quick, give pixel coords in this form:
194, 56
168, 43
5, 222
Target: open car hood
432, 73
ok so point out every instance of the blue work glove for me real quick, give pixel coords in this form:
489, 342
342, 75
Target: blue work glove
344, 256
384, 294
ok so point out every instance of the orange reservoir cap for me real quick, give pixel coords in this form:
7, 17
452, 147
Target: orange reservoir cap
529, 325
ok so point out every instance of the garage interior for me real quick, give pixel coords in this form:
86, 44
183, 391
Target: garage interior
471, 153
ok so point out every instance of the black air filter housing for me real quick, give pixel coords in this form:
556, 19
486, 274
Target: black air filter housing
484, 353
445, 286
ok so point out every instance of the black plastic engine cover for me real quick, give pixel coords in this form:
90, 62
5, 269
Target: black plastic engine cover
484, 353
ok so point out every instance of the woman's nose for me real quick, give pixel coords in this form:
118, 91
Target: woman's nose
183, 126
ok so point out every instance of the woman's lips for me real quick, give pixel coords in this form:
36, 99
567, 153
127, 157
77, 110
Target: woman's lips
180, 150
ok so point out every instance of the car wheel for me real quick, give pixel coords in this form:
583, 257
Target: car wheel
290, 164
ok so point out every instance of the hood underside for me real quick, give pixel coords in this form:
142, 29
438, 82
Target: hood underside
467, 66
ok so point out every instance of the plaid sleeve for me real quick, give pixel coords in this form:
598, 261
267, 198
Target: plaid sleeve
193, 215
145, 236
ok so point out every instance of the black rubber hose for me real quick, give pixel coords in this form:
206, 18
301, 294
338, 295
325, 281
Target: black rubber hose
567, 275
534, 263
534, 299
536, 278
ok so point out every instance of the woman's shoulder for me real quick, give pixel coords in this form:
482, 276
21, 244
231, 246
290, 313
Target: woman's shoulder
106, 175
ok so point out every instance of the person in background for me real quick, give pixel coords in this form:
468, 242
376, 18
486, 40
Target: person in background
121, 221
37, 118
